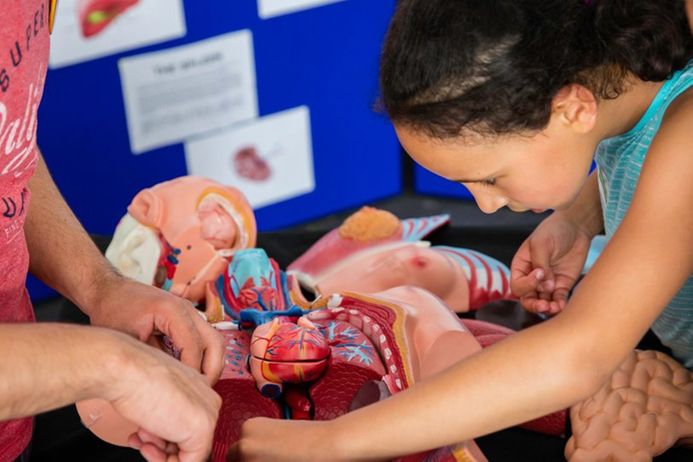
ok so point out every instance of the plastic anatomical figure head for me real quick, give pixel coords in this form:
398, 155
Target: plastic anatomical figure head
646, 408
372, 252
179, 234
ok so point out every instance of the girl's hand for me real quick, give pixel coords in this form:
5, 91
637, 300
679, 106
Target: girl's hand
273, 440
548, 263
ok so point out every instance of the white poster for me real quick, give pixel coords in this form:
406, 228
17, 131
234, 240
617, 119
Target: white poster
270, 8
89, 29
270, 160
173, 94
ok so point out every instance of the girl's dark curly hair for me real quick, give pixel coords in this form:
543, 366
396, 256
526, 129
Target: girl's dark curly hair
493, 66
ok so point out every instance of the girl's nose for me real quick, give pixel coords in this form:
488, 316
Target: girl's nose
489, 203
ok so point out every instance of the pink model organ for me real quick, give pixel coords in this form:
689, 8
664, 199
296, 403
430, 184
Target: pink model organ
249, 165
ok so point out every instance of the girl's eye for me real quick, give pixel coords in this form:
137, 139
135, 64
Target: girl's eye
487, 182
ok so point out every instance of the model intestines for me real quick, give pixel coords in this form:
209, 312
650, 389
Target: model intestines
373, 250
644, 409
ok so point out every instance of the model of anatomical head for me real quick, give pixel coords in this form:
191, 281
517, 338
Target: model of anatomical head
374, 251
179, 235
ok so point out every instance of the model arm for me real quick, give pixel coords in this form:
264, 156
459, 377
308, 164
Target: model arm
65, 258
542, 369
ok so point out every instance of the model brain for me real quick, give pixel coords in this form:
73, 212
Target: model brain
646, 408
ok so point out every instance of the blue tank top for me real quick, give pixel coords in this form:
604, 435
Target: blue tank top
619, 162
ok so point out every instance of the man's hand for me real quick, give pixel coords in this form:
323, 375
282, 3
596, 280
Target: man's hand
173, 405
144, 311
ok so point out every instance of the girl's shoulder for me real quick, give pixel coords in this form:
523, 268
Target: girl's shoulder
680, 89
678, 118
681, 104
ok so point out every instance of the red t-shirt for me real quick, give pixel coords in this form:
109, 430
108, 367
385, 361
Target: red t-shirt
24, 44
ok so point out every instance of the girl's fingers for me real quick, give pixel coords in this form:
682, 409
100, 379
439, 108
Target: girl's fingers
522, 286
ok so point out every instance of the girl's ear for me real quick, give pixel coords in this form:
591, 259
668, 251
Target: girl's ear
576, 108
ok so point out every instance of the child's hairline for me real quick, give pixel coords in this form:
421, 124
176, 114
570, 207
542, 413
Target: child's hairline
593, 80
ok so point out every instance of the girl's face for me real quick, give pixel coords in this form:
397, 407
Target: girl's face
534, 172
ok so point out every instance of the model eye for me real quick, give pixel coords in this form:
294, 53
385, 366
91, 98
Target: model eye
489, 182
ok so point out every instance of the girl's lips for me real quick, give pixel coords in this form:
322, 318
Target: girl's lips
538, 210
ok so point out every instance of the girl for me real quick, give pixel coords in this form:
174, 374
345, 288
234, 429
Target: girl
514, 99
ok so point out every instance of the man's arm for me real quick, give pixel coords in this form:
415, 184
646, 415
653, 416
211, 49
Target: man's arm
46, 366
64, 257
61, 253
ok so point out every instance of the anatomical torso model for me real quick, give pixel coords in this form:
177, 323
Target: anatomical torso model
373, 251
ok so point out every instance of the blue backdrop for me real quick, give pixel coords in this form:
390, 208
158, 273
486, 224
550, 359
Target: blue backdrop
325, 58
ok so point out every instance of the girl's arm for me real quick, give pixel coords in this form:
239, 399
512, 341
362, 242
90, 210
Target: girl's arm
557, 249
586, 211
540, 370
566, 359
